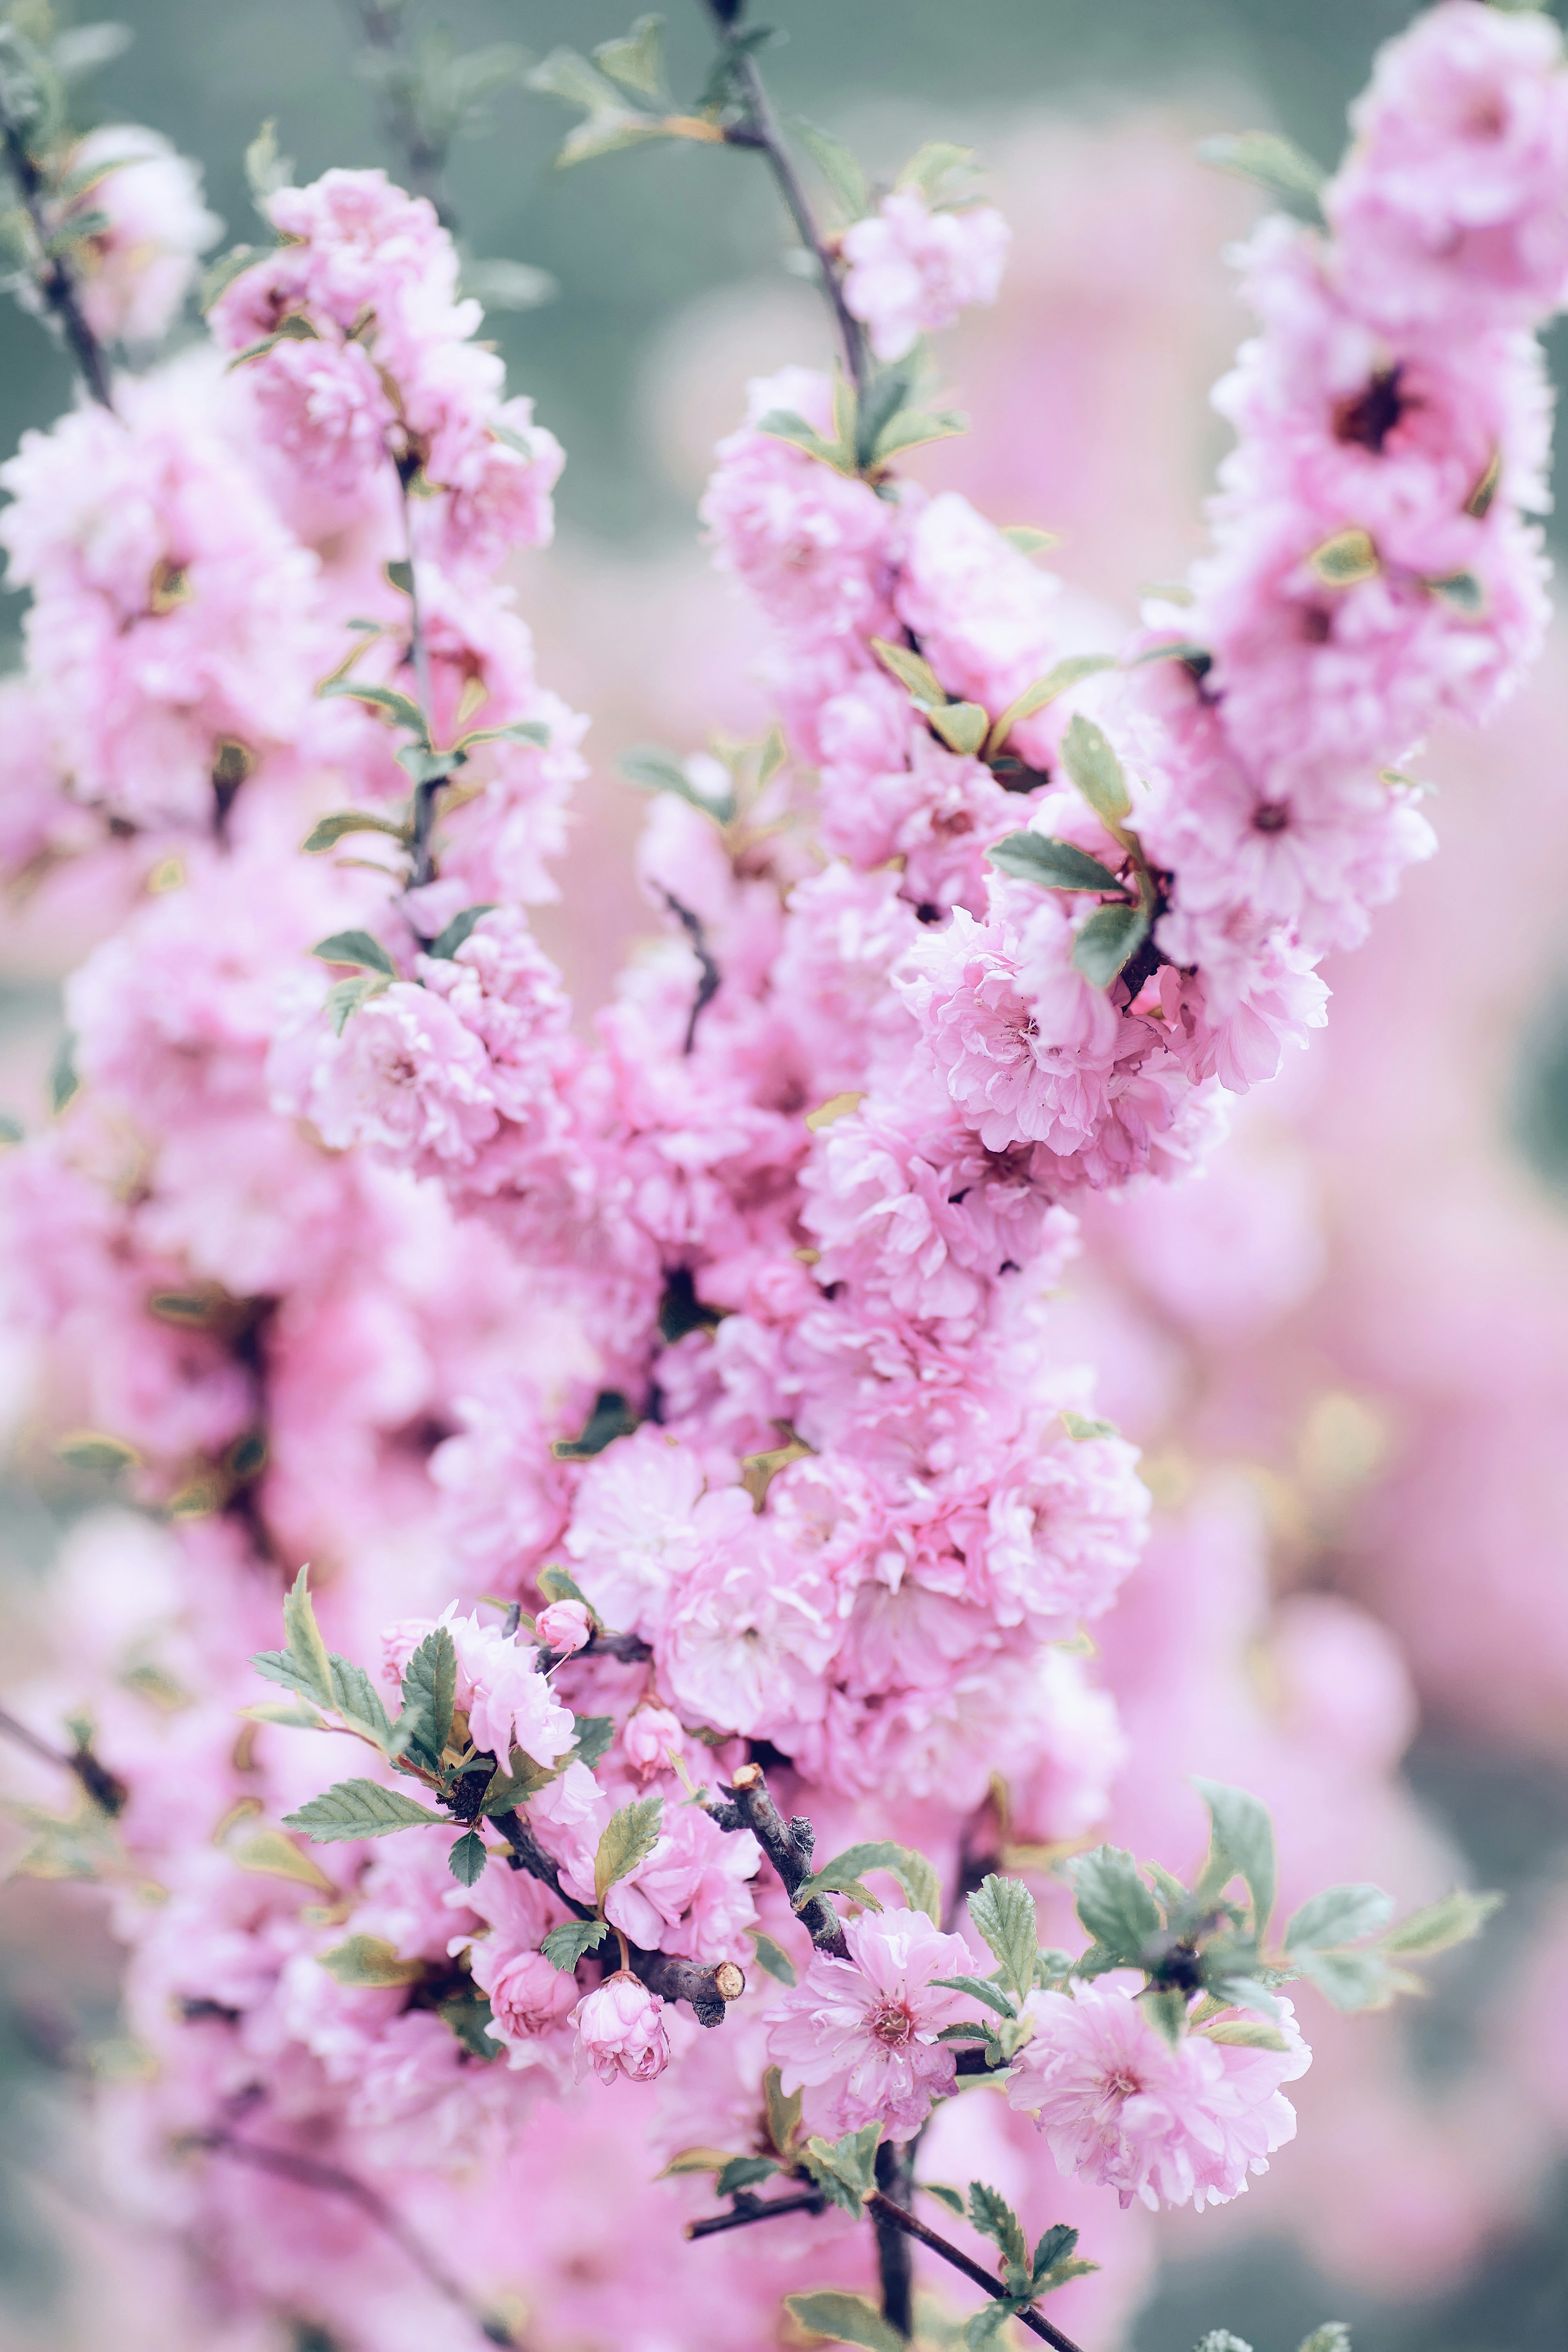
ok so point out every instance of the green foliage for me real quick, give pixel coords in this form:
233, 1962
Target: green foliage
784, 2114
1095, 770
358, 1809
347, 997
951, 2198
744, 2172
1054, 865
369, 1961
564, 1946
1003, 1909
1245, 2033
305, 1666
447, 942
513, 1787
65, 1079
627, 1839
845, 175
469, 2015
653, 769
429, 1690
468, 1858
1078, 1426
1452, 1919
963, 726
612, 1417
990, 2213
1241, 1845
1067, 672
980, 1989
773, 1958
1269, 161
1115, 1905
1341, 1915
396, 706
844, 2319
843, 1876
331, 830
356, 948
845, 2169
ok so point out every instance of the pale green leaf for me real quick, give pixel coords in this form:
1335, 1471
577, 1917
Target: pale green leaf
1244, 2033
1104, 945
564, 1946
1003, 1910
383, 697
844, 2319
1054, 865
369, 1961
358, 1809
356, 948
1115, 1907
347, 997
1070, 671
913, 672
1452, 1919
912, 428
629, 1837
842, 171
773, 1958
1095, 770
332, 829
635, 61
1271, 162
1341, 1915
963, 726
1242, 1835
990, 2213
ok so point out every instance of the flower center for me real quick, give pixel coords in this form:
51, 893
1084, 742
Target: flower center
1122, 2084
1271, 816
892, 2025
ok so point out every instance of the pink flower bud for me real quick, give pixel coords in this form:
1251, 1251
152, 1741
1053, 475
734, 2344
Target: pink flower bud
527, 1995
564, 1625
618, 2029
651, 1738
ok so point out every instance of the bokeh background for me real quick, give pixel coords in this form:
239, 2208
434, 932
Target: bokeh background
1346, 1350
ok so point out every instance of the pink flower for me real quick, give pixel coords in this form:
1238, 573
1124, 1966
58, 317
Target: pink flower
564, 1625
406, 1076
510, 1703
642, 1519
651, 1739
743, 1646
1120, 2106
134, 270
619, 2030
527, 1994
859, 2036
912, 270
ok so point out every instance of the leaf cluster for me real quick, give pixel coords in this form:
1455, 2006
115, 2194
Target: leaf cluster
843, 1875
844, 2170
1024, 2276
869, 430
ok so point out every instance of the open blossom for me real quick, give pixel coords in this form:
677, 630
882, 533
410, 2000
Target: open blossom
1120, 2106
508, 1701
859, 2036
135, 268
620, 2030
404, 1076
912, 270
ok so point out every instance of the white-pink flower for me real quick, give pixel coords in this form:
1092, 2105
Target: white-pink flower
620, 2031
859, 2036
564, 1625
1169, 2127
912, 271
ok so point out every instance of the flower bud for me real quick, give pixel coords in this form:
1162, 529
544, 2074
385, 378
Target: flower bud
564, 1625
651, 1738
618, 2029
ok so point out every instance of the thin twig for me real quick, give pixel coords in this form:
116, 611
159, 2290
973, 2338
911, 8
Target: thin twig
885, 2213
761, 130
54, 279
422, 864
707, 985
895, 2267
381, 25
746, 1804
100, 1784
307, 2172
749, 2209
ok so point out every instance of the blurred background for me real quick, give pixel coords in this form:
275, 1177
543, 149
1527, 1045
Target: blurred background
1352, 1393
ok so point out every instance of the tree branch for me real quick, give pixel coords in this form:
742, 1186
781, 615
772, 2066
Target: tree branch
102, 1785
887, 2215
895, 2267
708, 986
56, 283
750, 2209
381, 25
788, 1846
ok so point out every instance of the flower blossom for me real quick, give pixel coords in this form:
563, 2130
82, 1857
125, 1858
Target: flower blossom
1120, 2107
859, 2036
912, 270
135, 268
620, 2030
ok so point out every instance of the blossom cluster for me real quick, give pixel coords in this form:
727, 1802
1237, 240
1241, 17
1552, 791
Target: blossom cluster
709, 1352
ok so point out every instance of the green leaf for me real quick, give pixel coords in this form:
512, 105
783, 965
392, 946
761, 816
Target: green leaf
1269, 161
447, 943
842, 171
1346, 558
359, 1702
1354, 1981
844, 2170
1242, 1835
912, 428
356, 948
332, 829
65, 1080
1238, 1991
990, 2213
430, 1688
383, 697
469, 2015
843, 1874
1054, 865
305, 1666
424, 767
594, 1733
1080, 1428
1056, 680
1095, 770
629, 1837
1341, 1915
520, 730
988, 2322
1115, 1907
743, 2172
980, 1989
564, 1946
1166, 2011
913, 672
1244, 2033
347, 997
785, 424
1104, 945
297, 1718
468, 1858
94, 1449
1003, 1909
844, 2319
783, 2115
357, 1809
1029, 539
1460, 590
636, 60
1055, 2247
654, 770
1179, 649
963, 726
951, 2198
933, 165
773, 1958
567, 75
1452, 1919
921, 1882
1334, 2336
369, 1961
507, 1790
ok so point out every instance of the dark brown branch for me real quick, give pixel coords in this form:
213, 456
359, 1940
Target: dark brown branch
886, 2214
788, 1846
100, 1784
380, 24
750, 2209
707, 985
895, 2265
56, 283
307, 2172
761, 130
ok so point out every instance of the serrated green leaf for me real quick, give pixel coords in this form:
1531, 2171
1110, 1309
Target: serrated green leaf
297, 1718
990, 2213
743, 2172
635, 61
1106, 943
982, 1990
1341, 1915
1244, 2033
523, 1779
594, 1733
429, 1690
306, 1655
1452, 1919
564, 1946
785, 424
1054, 2248
369, 1961
1242, 1835
921, 1882
784, 2114
844, 2170
1003, 1910
629, 1837
773, 1958
844, 2319
468, 1858
332, 829
842, 171
356, 948
1095, 768
357, 1809
1113, 1904
383, 697
1054, 865
912, 428
988, 2322
461, 927
963, 726
1271, 162
358, 1701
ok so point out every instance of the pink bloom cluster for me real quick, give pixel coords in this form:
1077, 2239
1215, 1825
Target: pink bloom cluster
912, 270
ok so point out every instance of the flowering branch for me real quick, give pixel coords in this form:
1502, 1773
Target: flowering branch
56, 283
761, 130
891, 2216
100, 1784
381, 24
